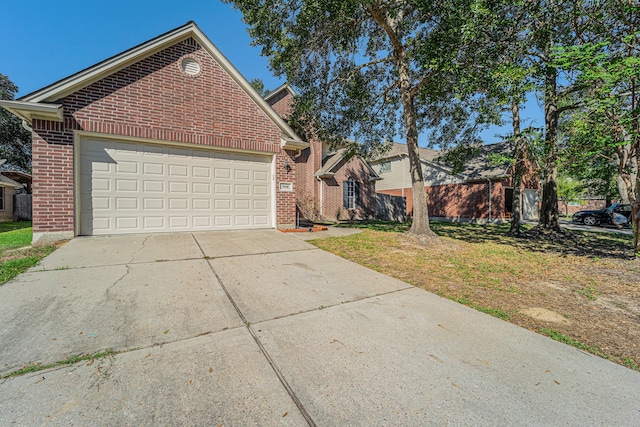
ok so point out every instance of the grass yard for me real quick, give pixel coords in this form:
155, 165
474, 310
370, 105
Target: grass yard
16, 253
583, 291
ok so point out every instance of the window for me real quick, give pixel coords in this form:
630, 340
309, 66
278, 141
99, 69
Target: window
384, 167
351, 194
1, 198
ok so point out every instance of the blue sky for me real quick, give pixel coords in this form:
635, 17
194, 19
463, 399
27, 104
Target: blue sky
44, 41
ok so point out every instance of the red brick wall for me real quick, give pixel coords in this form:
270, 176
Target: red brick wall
593, 204
152, 99
282, 103
332, 191
467, 200
308, 162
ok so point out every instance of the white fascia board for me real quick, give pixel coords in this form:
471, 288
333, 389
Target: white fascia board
92, 74
105, 68
280, 89
293, 144
28, 111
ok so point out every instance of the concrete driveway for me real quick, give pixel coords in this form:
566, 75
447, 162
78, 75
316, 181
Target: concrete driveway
262, 328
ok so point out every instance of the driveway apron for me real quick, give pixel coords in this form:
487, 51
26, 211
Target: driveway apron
261, 328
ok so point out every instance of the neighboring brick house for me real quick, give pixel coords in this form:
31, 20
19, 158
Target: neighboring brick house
330, 184
166, 136
481, 192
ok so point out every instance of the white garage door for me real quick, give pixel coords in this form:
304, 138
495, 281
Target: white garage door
129, 187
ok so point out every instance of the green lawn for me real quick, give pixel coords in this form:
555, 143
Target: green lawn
580, 288
16, 253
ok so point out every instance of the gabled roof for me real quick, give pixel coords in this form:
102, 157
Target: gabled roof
331, 164
399, 150
284, 87
7, 182
17, 176
43, 102
479, 167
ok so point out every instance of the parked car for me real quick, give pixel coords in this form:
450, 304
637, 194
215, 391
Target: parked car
602, 216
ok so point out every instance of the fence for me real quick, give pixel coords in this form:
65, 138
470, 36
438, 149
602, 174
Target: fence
22, 207
391, 208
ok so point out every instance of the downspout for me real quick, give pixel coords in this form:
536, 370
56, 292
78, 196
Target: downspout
26, 126
321, 203
489, 181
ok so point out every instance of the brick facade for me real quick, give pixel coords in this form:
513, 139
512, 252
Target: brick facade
460, 201
153, 99
332, 192
322, 199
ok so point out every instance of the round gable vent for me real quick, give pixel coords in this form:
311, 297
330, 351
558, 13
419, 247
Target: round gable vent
190, 66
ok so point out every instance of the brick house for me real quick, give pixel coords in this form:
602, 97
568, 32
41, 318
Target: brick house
7, 190
481, 192
166, 136
330, 184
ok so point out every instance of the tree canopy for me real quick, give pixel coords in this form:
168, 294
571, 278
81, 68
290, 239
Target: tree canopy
15, 140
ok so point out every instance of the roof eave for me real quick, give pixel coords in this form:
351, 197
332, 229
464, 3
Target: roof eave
325, 175
28, 111
109, 66
284, 86
293, 144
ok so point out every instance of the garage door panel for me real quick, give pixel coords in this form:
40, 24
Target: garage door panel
151, 204
154, 223
127, 223
261, 220
153, 168
178, 222
178, 187
201, 204
127, 167
153, 186
178, 204
201, 172
128, 187
178, 170
124, 203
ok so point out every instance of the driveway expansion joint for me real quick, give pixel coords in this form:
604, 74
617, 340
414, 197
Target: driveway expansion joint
341, 303
262, 348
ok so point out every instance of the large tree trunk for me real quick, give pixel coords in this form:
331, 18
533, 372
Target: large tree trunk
519, 168
420, 225
549, 217
626, 176
391, 24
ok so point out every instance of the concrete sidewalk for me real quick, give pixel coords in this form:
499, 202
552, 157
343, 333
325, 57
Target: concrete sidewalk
261, 328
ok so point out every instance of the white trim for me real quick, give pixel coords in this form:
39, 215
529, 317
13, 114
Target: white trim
87, 134
78, 141
279, 89
92, 74
28, 111
292, 144
274, 220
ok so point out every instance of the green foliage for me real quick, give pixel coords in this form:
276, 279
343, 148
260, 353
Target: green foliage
13, 267
569, 190
258, 85
342, 58
13, 260
16, 238
555, 335
15, 140
10, 226
71, 360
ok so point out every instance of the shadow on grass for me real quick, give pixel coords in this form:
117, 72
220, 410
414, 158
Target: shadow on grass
10, 226
578, 243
